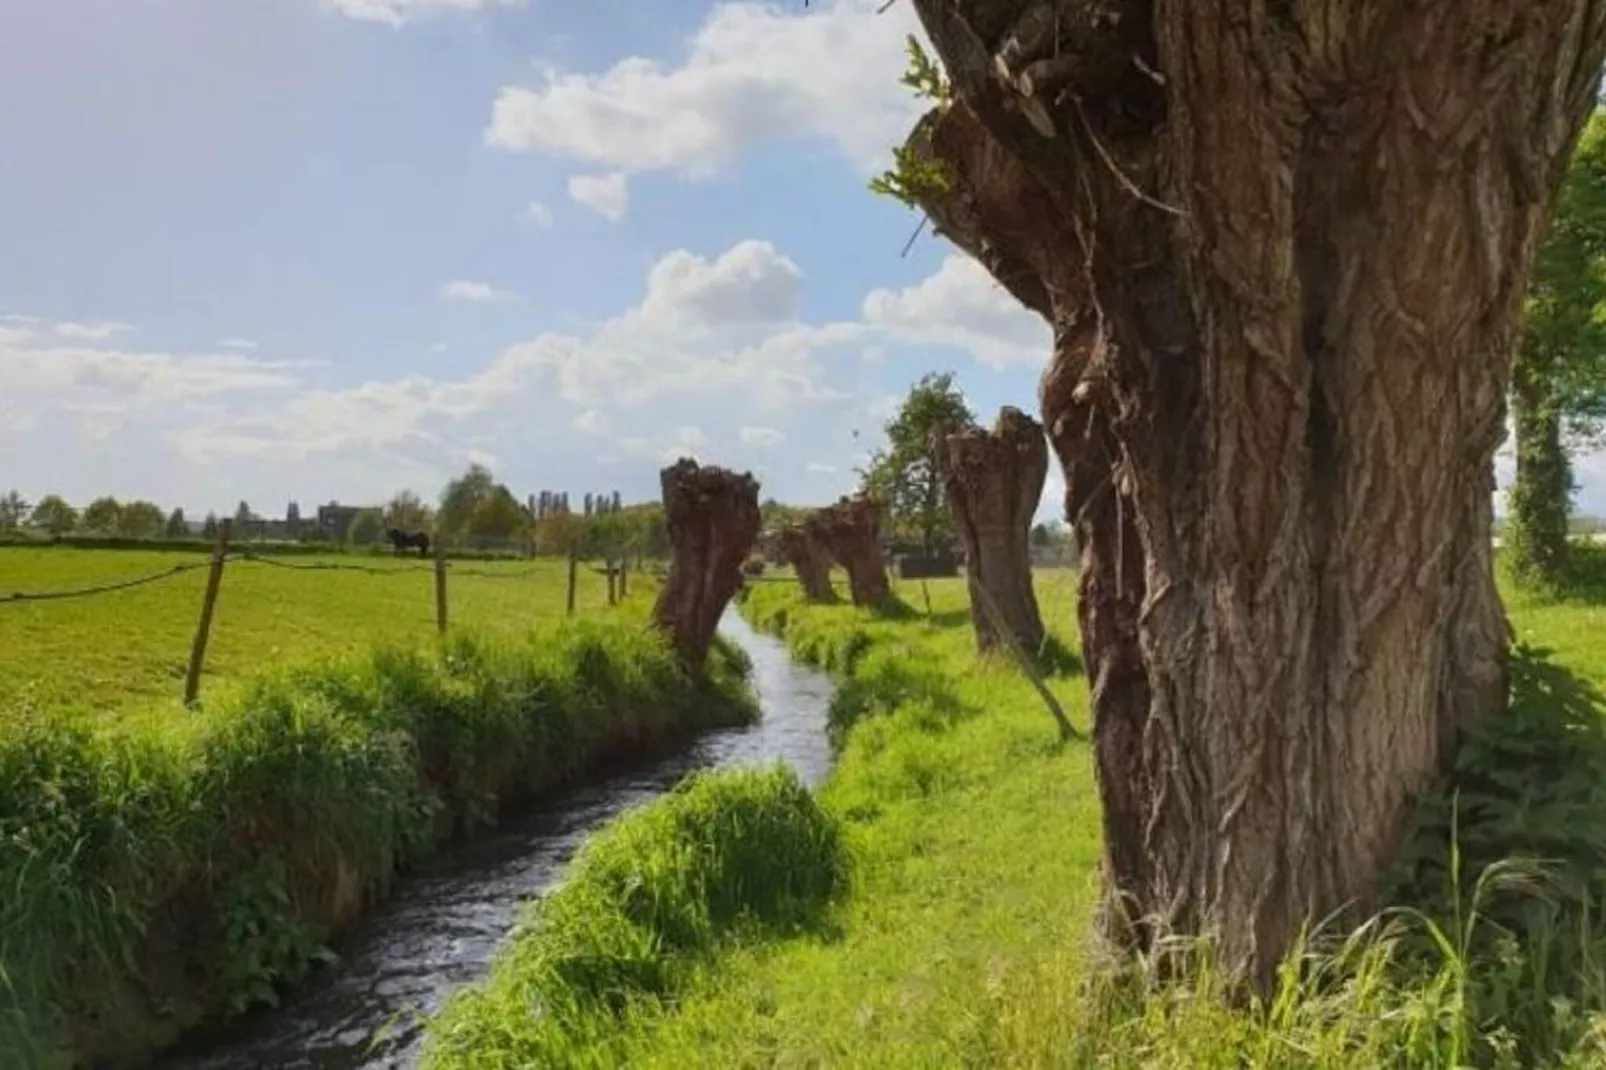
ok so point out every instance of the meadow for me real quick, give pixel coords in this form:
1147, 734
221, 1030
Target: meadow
167, 867
129, 649
970, 839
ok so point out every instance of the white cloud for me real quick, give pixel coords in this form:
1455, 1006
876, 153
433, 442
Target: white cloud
537, 215
473, 291
91, 332
237, 343
398, 12
754, 72
749, 283
962, 306
761, 436
712, 356
52, 369
606, 195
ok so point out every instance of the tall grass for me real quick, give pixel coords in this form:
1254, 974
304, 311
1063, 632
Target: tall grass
964, 939
648, 901
164, 869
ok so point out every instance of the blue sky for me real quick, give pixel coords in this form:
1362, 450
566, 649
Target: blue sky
328, 249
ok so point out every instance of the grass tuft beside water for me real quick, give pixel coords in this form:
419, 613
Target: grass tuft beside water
171, 866
726, 856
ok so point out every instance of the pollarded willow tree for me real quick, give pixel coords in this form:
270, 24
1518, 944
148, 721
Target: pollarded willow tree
1281, 246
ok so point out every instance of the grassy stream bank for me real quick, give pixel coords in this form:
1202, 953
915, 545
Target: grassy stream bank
169, 868
949, 925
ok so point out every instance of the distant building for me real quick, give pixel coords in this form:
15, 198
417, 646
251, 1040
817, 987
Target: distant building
334, 519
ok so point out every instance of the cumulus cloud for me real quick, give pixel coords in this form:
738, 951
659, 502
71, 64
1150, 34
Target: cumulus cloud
399, 12
754, 72
606, 195
962, 306
473, 291
712, 355
237, 343
750, 283
761, 436
537, 215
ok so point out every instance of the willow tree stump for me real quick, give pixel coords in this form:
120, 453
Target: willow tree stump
800, 547
849, 530
713, 520
994, 480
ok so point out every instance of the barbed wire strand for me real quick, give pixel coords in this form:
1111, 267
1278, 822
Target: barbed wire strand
248, 557
107, 588
332, 566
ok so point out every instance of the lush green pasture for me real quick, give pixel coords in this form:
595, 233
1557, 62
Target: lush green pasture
166, 867
973, 839
130, 648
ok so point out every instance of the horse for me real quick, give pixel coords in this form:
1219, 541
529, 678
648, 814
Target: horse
406, 540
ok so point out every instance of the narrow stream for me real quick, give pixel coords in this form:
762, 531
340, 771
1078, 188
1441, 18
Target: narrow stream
444, 924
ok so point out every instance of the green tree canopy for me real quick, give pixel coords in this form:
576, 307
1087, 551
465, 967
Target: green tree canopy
141, 520
907, 474
14, 509
1559, 373
177, 527
462, 496
103, 516
54, 515
407, 511
498, 515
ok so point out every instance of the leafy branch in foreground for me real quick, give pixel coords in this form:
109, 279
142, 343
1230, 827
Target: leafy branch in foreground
911, 176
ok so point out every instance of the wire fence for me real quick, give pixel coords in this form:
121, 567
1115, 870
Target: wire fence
617, 573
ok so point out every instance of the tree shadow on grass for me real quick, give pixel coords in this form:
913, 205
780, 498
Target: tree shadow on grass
1055, 658
1517, 839
893, 608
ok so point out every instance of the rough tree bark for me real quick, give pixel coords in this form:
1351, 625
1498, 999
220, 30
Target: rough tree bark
801, 549
713, 519
849, 531
1281, 247
994, 481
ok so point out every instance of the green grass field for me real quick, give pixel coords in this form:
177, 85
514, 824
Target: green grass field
166, 867
974, 844
130, 648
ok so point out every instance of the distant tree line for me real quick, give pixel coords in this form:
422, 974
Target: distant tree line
473, 511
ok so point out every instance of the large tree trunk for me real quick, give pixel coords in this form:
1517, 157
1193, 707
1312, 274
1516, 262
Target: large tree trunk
713, 520
849, 530
1281, 246
801, 549
1541, 495
994, 481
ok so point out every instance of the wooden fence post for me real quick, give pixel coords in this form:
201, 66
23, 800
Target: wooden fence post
574, 576
613, 596
440, 588
203, 629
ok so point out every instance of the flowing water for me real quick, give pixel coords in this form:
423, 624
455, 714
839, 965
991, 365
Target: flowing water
443, 925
